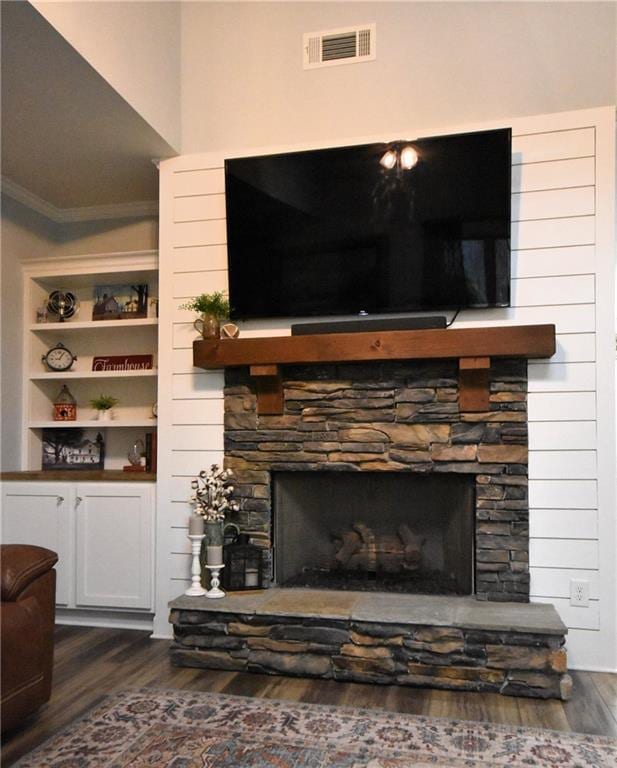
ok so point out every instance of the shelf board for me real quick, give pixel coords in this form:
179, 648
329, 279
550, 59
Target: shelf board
89, 325
89, 475
93, 424
94, 375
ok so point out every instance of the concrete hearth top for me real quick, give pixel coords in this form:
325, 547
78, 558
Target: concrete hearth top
430, 610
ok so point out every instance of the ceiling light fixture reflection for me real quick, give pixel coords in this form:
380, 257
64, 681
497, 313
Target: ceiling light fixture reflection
388, 160
409, 157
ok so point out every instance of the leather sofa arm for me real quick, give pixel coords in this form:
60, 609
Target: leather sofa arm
21, 565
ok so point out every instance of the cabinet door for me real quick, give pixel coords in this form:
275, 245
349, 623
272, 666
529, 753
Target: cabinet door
114, 526
40, 514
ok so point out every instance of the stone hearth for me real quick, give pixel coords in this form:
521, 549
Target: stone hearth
441, 642
392, 417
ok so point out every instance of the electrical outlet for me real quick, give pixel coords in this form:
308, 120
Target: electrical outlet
579, 593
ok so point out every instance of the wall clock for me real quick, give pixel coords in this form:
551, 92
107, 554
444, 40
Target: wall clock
59, 358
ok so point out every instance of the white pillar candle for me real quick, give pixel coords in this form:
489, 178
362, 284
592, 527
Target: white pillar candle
214, 555
196, 525
251, 577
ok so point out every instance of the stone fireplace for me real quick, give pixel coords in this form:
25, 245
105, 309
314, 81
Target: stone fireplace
392, 487
397, 419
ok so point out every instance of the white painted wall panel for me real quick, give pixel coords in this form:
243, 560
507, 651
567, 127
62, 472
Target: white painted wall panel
551, 145
553, 203
564, 524
189, 284
198, 207
202, 181
544, 262
561, 406
197, 385
200, 258
572, 348
555, 174
545, 291
207, 232
210, 411
553, 233
563, 494
563, 553
562, 465
198, 437
577, 318
564, 435
555, 582
190, 463
558, 377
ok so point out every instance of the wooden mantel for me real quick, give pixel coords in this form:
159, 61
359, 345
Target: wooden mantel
473, 347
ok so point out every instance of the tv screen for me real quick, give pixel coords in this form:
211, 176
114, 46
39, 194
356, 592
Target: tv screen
365, 230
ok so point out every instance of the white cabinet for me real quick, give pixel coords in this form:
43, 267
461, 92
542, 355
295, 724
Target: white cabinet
40, 514
114, 536
103, 534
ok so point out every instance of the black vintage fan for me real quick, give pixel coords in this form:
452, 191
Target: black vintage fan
63, 303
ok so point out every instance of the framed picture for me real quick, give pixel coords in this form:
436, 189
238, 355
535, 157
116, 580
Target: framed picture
120, 302
72, 449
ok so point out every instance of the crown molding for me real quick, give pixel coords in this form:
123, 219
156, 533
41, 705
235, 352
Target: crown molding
86, 213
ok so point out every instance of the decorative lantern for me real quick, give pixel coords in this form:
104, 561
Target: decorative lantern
65, 406
243, 565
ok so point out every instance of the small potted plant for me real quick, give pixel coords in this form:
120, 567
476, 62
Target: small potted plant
103, 405
212, 308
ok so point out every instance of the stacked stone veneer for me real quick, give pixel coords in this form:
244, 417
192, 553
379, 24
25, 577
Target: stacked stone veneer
397, 417
508, 662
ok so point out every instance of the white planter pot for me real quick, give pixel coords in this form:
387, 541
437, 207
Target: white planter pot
105, 415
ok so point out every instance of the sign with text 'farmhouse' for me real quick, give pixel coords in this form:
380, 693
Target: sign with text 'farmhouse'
122, 363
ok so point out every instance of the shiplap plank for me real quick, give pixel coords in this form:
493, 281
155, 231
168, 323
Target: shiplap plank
554, 174
198, 208
553, 233
575, 617
193, 233
562, 435
544, 291
177, 587
562, 377
180, 565
203, 411
572, 348
179, 542
575, 318
564, 523
180, 493
206, 181
553, 145
199, 258
190, 463
553, 203
555, 582
189, 284
195, 386
561, 406
197, 437
563, 553
545, 262
563, 494
558, 464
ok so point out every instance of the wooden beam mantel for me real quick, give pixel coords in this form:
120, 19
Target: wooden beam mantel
473, 347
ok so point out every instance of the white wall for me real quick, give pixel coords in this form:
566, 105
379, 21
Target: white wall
563, 206
438, 63
135, 46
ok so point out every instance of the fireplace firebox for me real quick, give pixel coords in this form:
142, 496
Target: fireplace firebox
374, 531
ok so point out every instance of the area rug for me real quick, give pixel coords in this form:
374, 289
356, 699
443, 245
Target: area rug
150, 728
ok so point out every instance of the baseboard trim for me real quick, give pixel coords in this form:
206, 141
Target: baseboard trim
107, 619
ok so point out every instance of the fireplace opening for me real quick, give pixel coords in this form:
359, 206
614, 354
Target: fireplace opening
374, 531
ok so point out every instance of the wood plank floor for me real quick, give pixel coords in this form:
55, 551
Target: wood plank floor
91, 663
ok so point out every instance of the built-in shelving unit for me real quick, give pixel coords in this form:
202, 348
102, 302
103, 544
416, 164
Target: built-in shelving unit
136, 390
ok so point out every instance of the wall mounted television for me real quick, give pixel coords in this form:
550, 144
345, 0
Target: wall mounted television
336, 231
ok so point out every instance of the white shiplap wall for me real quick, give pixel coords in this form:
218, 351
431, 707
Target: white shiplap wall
562, 270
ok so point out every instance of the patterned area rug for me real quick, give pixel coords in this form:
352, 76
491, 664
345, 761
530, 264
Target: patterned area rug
183, 729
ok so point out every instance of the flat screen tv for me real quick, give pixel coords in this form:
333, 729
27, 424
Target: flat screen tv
355, 230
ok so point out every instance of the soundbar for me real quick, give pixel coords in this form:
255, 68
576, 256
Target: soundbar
370, 324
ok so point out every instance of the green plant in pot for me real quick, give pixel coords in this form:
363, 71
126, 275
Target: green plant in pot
212, 308
103, 405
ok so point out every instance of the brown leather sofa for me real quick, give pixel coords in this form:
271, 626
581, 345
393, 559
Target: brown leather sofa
27, 618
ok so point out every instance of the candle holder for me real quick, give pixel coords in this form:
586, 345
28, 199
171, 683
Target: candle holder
215, 592
196, 590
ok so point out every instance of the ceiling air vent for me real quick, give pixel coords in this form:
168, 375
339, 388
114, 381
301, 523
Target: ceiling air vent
339, 46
